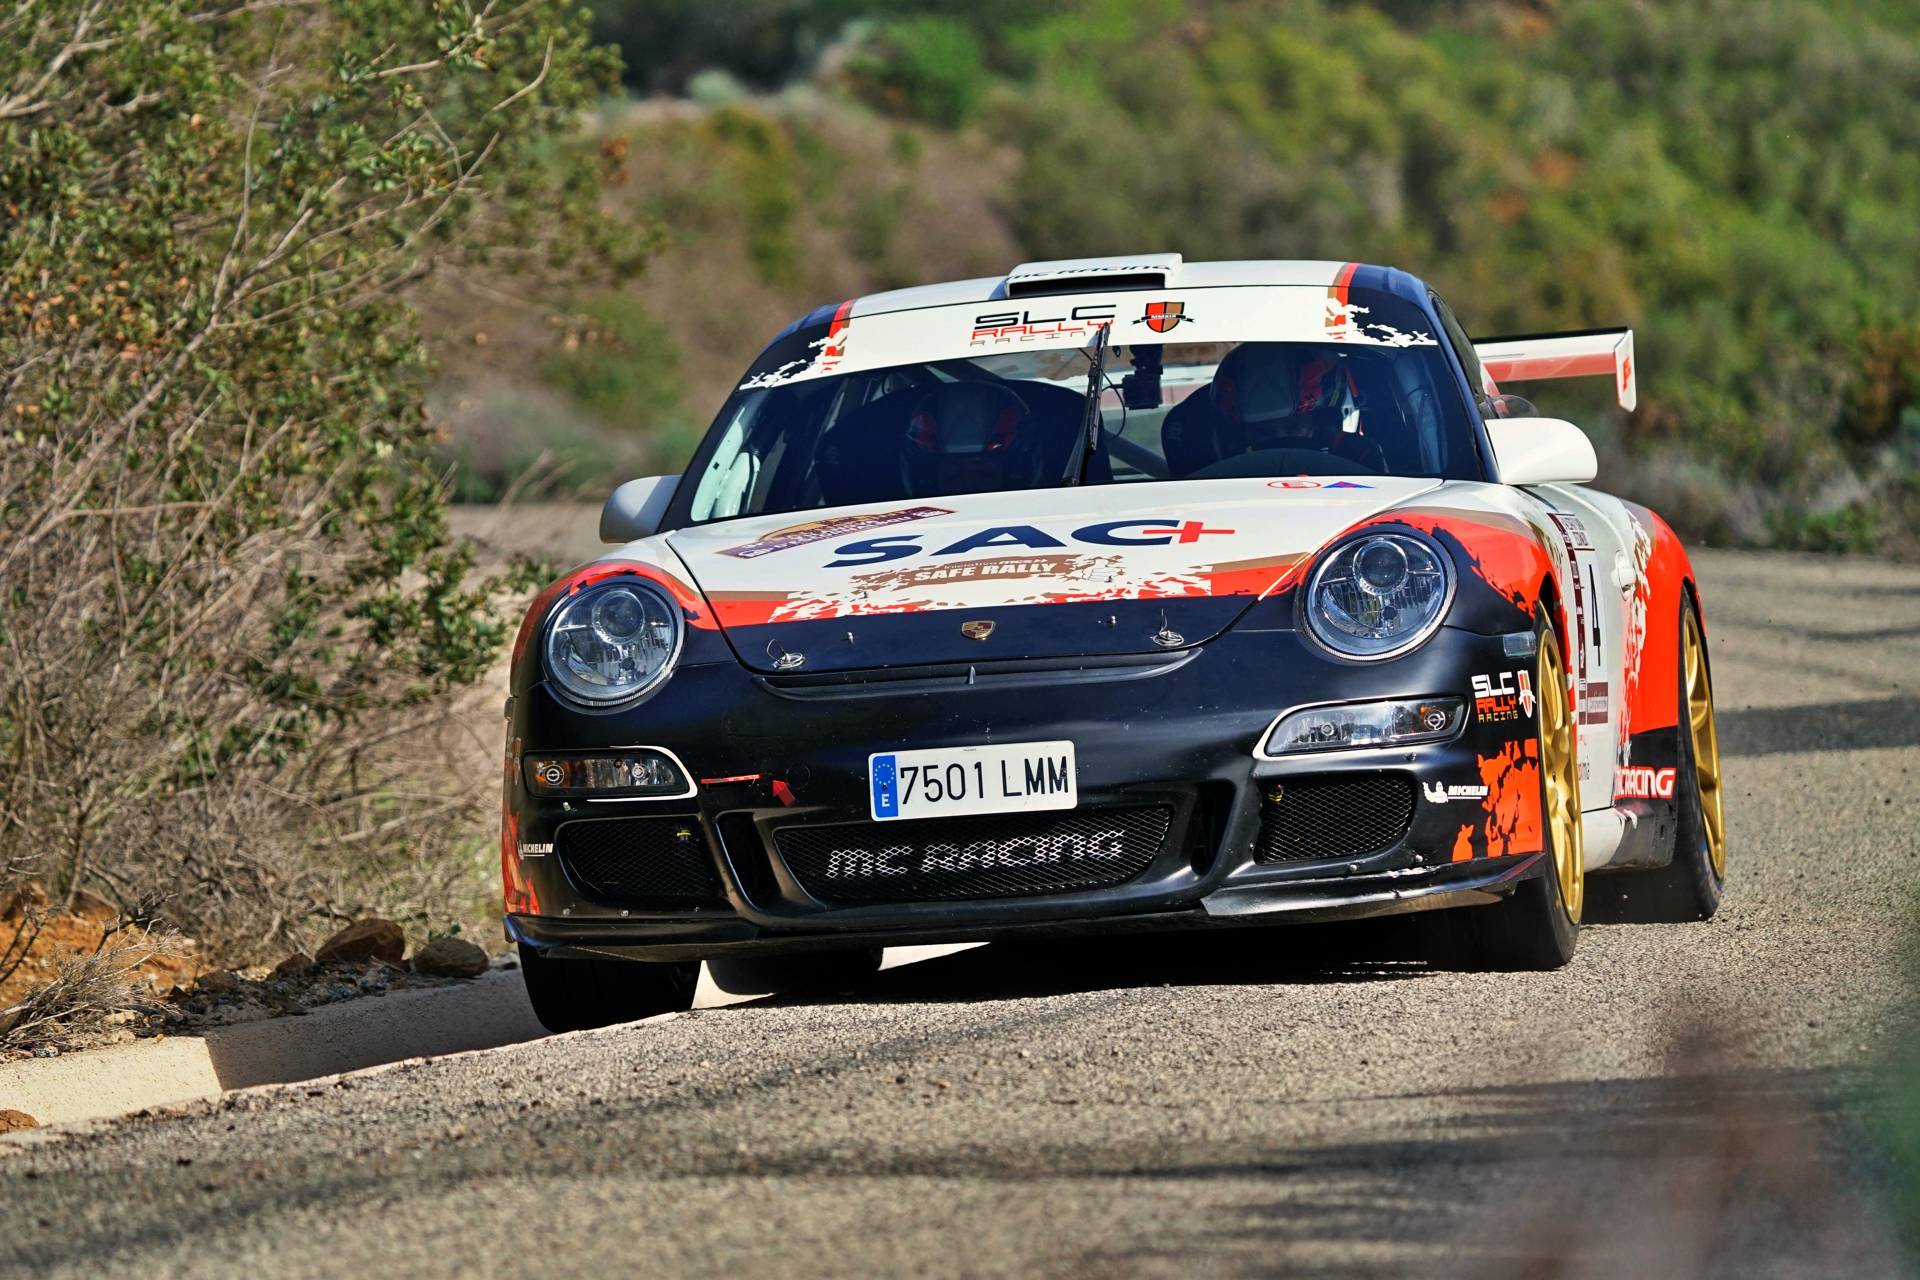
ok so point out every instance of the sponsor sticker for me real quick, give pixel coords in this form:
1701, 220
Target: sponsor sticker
1444, 793
532, 849
904, 859
1302, 482
799, 535
1153, 532
1012, 328
1593, 702
1503, 695
1573, 529
1162, 316
1643, 782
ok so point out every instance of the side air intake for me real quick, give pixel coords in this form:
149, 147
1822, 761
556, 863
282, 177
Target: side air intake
1078, 275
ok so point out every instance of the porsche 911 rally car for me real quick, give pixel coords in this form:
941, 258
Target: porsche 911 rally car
1109, 595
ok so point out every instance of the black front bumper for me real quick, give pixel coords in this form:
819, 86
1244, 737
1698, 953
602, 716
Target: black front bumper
1180, 734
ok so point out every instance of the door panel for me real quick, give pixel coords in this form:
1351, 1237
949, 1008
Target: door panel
1591, 527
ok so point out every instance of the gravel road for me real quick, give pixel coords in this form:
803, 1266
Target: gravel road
1682, 1099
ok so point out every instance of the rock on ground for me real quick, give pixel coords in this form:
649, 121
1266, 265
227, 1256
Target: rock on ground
294, 965
450, 957
364, 941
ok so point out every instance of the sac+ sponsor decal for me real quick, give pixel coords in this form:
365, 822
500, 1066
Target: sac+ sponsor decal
1156, 532
799, 535
937, 857
1503, 695
1642, 782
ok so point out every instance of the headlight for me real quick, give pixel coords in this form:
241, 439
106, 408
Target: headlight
641, 771
1342, 726
1379, 594
613, 641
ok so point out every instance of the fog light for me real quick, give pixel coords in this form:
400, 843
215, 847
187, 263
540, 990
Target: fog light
1366, 724
643, 772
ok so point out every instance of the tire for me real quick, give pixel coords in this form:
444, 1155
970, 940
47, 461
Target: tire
1689, 887
1538, 926
804, 973
574, 995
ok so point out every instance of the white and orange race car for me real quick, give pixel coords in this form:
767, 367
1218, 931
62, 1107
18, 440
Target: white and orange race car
1113, 594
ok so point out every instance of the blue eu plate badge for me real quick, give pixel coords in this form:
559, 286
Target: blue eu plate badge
886, 789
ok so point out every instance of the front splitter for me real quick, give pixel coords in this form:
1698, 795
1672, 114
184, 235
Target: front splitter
1348, 898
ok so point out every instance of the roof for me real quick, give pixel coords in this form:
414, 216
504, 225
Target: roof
1131, 271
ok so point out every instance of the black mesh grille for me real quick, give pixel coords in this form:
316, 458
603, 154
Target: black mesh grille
995, 856
656, 862
1344, 816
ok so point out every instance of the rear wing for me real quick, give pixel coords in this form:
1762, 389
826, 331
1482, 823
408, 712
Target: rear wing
1587, 353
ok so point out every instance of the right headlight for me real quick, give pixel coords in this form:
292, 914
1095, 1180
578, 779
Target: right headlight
1378, 594
613, 641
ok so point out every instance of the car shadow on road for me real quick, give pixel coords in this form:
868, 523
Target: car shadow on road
1358, 951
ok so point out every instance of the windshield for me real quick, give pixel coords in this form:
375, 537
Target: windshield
1308, 388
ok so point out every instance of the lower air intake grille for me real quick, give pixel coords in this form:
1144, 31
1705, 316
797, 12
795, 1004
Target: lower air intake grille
1338, 816
997, 856
648, 862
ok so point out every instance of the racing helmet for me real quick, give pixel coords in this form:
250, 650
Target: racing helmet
969, 437
1275, 394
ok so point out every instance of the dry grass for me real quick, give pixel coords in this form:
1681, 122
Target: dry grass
63, 977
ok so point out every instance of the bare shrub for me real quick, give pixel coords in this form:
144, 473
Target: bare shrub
231, 620
86, 989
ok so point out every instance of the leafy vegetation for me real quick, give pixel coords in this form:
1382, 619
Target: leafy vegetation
1734, 179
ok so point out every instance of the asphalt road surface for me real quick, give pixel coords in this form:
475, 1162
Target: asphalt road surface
1681, 1099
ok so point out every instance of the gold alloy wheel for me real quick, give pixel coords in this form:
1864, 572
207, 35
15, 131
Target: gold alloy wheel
1706, 744
1560, 772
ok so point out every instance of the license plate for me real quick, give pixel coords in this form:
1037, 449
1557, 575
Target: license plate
951, 781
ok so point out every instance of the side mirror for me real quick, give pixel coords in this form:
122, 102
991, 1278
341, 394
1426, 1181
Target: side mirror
1541, 451
636, 509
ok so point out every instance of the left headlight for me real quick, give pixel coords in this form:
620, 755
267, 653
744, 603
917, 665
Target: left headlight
1379, 594
613, 641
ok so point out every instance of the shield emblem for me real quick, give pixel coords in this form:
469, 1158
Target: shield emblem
977, 630
1162, 316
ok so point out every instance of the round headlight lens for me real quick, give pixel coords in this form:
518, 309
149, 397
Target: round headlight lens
1378, 595
612, 641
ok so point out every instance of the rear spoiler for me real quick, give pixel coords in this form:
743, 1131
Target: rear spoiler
1587, 353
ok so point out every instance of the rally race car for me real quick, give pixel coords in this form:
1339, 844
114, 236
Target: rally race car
1110, 595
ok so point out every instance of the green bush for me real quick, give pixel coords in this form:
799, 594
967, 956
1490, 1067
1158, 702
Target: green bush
227, 593
929, 68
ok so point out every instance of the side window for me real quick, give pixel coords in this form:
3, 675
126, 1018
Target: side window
730, 472
1463, 347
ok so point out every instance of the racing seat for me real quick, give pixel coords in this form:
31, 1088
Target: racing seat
1200, 434
858, 458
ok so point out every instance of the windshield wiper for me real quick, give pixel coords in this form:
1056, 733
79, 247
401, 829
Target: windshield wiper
1088, 442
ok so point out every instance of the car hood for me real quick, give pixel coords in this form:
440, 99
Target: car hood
1077, 572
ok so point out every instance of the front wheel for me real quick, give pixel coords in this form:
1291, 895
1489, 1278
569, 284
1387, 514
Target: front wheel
574, 995
1538, 926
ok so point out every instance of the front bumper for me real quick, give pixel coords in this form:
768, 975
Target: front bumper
1180, 733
